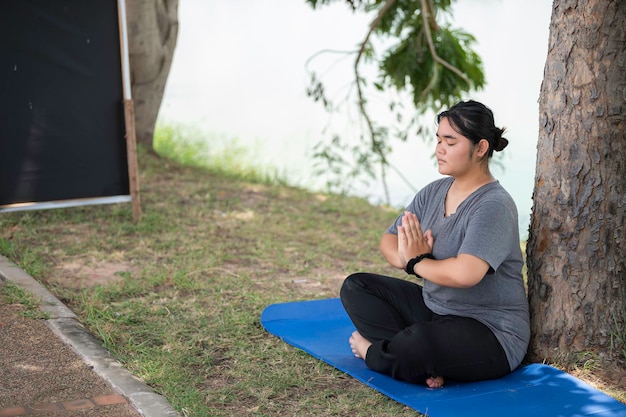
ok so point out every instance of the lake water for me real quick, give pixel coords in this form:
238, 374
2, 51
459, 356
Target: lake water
239, 74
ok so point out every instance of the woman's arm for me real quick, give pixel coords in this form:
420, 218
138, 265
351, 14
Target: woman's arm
462, 271
389, 248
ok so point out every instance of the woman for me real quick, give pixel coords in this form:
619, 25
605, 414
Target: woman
470, 320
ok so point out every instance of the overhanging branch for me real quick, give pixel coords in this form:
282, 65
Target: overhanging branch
361, 101
426, 19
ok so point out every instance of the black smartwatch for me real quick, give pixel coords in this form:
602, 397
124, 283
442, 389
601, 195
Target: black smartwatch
410, 266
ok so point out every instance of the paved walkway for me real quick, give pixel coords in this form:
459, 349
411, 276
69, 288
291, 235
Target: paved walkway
69, 406
55, 368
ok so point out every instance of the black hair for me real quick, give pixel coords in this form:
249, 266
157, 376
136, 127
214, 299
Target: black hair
475, 121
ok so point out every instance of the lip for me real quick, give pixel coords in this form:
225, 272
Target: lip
441, 161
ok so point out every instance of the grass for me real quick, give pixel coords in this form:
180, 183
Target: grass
12, 294
618, 335
192, 147
177, 297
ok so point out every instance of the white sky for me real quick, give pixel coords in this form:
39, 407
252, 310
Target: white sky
239, 72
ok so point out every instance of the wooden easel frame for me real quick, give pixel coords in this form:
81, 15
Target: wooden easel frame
129, 115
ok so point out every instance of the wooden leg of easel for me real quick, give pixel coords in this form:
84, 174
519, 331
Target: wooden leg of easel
131, 151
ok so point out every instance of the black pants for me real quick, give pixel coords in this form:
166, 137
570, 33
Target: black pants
410, 342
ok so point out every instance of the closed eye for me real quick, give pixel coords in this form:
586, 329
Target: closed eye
448, 141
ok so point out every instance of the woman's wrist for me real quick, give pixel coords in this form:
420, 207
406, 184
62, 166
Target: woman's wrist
410, 266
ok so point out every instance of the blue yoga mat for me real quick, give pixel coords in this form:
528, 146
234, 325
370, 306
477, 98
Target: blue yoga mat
322, 328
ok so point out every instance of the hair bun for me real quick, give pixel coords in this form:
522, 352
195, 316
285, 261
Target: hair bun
502, 143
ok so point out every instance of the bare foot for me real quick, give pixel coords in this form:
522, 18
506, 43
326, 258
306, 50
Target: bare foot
434, 382
359, 345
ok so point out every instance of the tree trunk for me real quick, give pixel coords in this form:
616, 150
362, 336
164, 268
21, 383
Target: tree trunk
577, 244
152, 33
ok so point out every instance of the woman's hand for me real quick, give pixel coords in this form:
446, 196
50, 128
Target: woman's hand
411, 240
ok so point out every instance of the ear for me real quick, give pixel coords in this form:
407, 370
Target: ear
482, 148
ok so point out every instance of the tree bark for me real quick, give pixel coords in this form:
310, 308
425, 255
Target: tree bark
577, 242
152, 34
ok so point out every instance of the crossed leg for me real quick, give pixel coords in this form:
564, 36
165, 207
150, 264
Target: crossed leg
399, 336
360, 345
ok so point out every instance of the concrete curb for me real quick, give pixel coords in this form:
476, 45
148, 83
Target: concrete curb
63, 323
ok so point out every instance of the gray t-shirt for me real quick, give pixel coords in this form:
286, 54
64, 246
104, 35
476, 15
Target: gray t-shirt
484, 225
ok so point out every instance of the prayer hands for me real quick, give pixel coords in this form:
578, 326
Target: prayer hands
411, 240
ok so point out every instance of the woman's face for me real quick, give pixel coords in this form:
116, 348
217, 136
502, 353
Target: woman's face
454, 151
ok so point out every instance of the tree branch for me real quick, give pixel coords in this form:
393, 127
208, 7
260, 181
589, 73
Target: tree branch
426, 17
431, 17
325, 51
361, 101
402, 177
